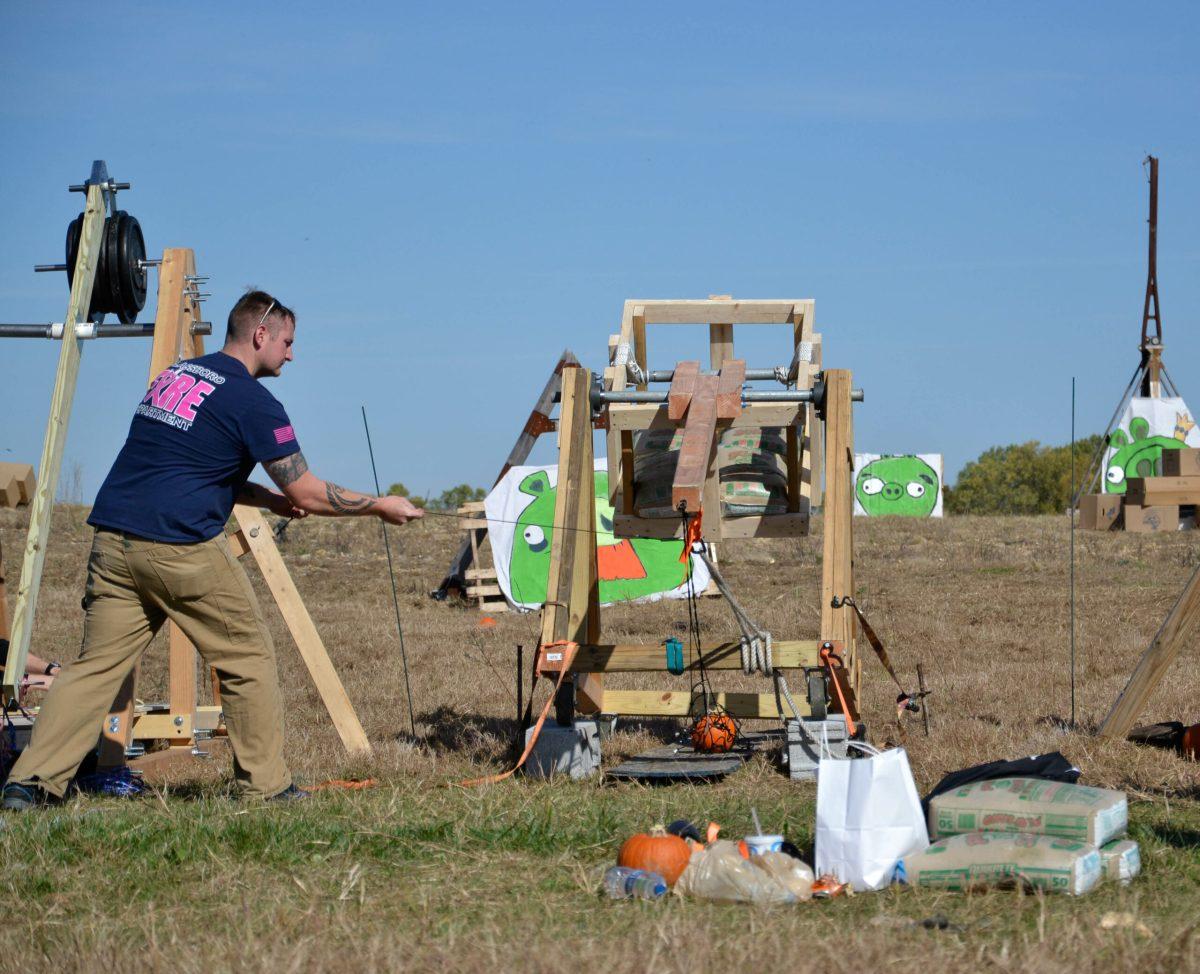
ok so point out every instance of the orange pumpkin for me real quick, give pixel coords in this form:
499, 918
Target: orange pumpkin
714, 733
656, 851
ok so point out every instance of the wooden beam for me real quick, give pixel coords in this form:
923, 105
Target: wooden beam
647, 415
699, 431
683, 385
21, 477
304, 632
572, 608
703, 312
651, 657
1178, 631
56, 439
837, 566
678, 703
729, 389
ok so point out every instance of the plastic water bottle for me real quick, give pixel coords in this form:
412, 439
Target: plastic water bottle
624, 883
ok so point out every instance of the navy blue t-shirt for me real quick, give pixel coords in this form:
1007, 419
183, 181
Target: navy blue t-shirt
194, 439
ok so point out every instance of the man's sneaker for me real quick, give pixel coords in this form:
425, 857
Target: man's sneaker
21, 798
289, 794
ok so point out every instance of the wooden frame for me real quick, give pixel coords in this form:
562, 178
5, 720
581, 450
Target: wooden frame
628, 354
572, 609
175, 338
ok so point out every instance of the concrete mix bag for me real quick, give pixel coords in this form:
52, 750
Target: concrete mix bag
1092, 815
978, 860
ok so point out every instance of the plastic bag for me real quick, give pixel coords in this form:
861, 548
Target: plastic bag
720, 874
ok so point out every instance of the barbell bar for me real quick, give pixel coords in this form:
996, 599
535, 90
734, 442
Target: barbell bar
88, 329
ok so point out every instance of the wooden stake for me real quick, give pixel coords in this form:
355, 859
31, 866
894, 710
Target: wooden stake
837, 569
572, 608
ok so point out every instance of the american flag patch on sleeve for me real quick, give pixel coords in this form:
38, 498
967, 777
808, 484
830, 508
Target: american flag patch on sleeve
285, 434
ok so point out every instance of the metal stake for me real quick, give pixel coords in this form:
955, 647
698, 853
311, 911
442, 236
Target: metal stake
412, 720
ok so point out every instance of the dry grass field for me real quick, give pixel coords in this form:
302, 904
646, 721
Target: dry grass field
417, 875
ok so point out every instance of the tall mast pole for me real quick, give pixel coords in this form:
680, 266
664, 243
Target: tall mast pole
1152, 346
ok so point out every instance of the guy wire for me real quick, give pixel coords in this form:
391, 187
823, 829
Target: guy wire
412, 720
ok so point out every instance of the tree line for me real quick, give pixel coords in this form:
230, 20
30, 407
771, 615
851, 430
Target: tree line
1023, 478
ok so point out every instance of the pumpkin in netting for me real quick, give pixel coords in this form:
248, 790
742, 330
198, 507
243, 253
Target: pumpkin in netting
714, 733
656, 851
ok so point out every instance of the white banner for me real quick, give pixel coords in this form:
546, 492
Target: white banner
520, 516
1147, 427
909, 485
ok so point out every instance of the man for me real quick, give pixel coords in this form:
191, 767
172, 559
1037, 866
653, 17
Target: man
160, 552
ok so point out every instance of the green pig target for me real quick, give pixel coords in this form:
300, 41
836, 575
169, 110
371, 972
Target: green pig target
628, 568
1138, 454
907, 486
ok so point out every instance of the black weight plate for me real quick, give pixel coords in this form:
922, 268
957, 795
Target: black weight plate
107, 301
131, 249
74, 229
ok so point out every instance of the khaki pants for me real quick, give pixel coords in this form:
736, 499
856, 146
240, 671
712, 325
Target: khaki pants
133, 587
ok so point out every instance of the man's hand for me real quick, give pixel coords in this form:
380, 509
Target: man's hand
397, 510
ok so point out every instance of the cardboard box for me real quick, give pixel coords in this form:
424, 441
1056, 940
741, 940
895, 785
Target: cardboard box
1181, 463
1099, 512
1159, 491
1147, 519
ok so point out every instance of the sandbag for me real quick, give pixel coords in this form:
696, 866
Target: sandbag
752, 466
1122, 860
979, 860
721, 874
1093, 815
1051, 767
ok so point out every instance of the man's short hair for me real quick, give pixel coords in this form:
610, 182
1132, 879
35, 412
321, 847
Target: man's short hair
248, 312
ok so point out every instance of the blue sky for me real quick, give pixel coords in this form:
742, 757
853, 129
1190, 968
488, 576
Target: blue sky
450, 194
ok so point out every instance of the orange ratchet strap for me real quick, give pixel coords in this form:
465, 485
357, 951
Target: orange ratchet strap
693, 535
555, 657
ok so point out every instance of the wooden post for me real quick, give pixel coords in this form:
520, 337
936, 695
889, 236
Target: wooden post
1177, 631
572, 609
837, 569
56, 439
257, 536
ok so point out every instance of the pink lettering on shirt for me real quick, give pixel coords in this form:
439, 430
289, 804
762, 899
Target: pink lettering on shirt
164, 379
194, 397
170, 398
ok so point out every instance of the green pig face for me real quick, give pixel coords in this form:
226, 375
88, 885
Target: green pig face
1140, 456
907, 486
627, 568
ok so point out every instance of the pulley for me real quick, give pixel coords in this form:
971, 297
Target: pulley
120, 287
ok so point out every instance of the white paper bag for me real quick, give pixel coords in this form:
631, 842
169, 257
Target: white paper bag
868, 817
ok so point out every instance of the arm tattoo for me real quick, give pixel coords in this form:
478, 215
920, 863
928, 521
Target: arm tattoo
288, 469
342, 504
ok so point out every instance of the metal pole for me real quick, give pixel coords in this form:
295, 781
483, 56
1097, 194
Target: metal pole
141, 329
1071, 515
601, 397
668, 375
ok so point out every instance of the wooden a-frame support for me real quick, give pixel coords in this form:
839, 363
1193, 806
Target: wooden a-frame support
174, 339
572, 610
1178, 630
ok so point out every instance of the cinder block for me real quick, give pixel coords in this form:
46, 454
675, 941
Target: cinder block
804, 745
573, 751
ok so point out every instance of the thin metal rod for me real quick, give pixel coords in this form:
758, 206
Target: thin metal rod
667, 375
141, 329
1071, 515
601, 397
412, 720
